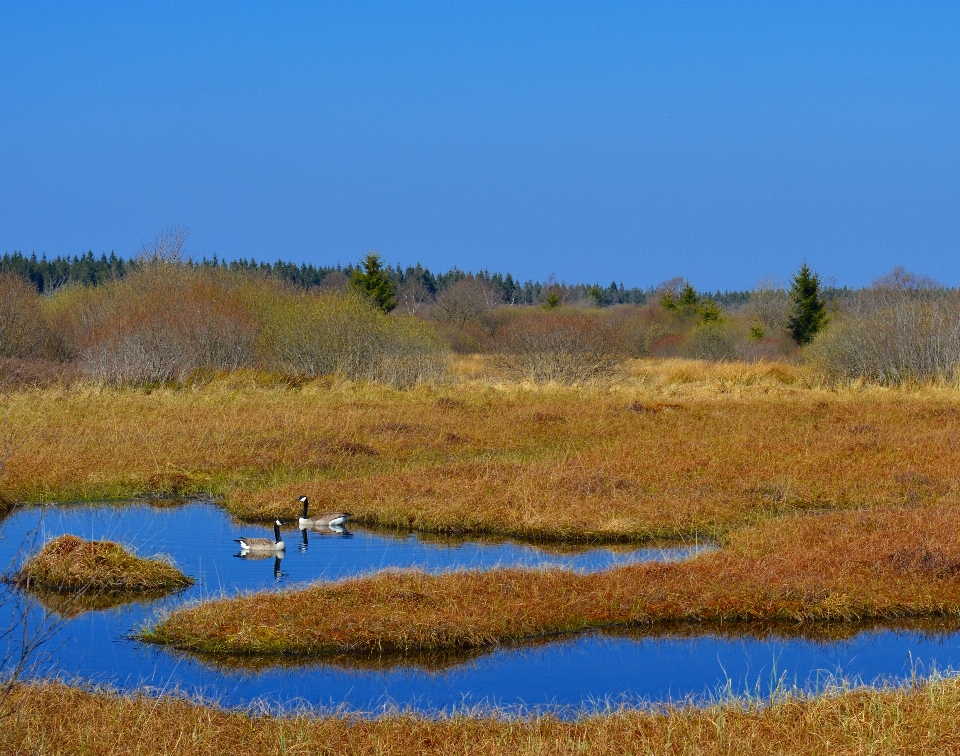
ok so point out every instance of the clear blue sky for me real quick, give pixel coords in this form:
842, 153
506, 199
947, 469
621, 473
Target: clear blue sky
719, 141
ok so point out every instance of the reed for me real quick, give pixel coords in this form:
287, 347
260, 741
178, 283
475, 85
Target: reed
837, 567
920, 718
72, 565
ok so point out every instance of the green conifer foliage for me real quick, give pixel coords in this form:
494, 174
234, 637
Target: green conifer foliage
809, 313
689, 299
375, 283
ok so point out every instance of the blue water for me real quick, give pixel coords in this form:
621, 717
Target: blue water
570, 672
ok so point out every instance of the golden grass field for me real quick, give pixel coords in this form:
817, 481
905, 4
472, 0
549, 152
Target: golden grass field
58, 720
673, 449
831, 504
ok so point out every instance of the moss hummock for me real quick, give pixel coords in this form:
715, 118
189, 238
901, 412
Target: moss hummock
71, 564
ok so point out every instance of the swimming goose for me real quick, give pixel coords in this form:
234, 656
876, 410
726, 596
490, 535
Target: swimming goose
263, 544
326, 520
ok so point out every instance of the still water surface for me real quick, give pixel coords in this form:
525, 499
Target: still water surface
568, 672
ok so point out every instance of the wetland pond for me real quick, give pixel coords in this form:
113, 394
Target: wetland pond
567, 674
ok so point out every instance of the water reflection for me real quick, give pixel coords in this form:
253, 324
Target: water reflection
334, 531
263, 555
657, 664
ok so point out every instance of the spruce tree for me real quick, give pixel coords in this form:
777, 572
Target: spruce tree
808, 312
375, 283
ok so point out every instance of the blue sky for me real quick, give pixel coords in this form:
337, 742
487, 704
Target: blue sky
598, 141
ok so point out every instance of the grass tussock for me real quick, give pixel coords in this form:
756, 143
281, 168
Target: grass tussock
69, 564
686, 447
57, 719
851, 566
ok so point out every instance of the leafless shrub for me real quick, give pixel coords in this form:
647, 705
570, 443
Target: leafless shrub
639, 327
567, 348
412, 297
162, 324
167, 246
712, 341
903, 328
18, 374
335, 280
24, 332
467, 300
341, 334
770, 306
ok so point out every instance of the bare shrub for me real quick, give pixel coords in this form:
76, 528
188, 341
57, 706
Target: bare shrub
411, 353
564, 347
163, 323
712, 341
335, 280
466, 301
412, 297
640, 329
904, 328
24, 332
770, 306
342, 334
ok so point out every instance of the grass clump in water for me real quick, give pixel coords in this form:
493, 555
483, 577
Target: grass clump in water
72, 565
801, 573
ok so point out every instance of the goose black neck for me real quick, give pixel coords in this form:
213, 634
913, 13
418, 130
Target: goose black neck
304, 515
276, 531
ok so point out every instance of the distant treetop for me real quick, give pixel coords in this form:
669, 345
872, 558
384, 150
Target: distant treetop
89, 270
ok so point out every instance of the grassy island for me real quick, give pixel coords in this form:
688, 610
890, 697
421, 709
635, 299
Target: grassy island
69, 564
805, 570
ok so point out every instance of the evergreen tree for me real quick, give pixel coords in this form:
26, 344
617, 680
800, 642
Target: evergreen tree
375, 282
809, 313
689, 299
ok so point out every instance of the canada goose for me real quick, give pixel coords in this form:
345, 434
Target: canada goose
263, 544
326, 520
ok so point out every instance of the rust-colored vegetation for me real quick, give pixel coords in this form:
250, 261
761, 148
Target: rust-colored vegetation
680, 448
69, 564
57, 719
852, 566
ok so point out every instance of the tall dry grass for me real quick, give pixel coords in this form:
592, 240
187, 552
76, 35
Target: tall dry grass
669, 453
855, 566
918, 719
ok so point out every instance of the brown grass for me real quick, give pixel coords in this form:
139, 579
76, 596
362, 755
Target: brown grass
846, 567
69, 564
55, 719
681, 447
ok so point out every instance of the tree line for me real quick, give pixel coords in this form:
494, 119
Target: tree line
160, 317
49, 274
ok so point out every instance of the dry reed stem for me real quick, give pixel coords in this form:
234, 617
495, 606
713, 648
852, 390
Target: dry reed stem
55, 719
850, 566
